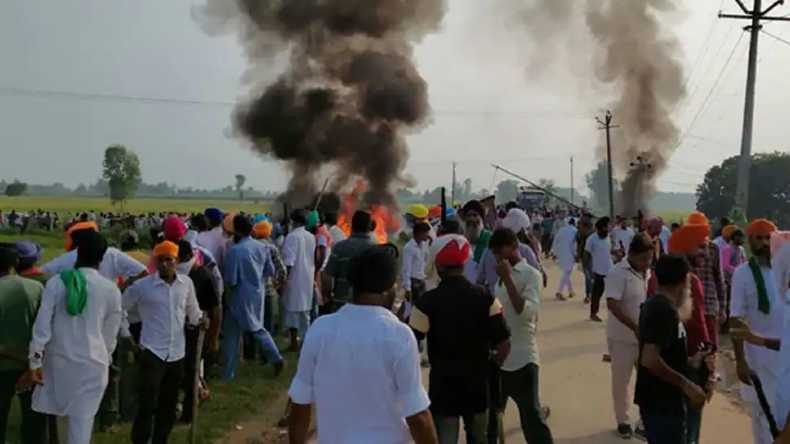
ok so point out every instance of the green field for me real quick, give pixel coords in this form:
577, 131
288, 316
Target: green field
137, 206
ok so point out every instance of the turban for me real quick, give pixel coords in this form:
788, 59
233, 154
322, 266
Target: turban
474, 205
728, 231
259, 218
227, 224
655, 224
435, 212
697, 218
89, 225
166, 248
760, 227
174, 228
312, 220
450, 212
263, 229
516, 220
29, 252
213, 214
418, 210
451, 250
688, 238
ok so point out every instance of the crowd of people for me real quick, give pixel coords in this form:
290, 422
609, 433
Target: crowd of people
102, 334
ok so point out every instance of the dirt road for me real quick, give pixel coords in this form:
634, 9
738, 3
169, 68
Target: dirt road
575, 382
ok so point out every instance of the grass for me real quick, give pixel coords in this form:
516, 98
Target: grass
73, 205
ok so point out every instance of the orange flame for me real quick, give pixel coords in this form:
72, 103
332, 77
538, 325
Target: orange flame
381, 215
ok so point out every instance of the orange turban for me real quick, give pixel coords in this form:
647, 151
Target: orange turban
227, 223
166, 248
263, 229
687, 238
697, 218
760, 227
79, 226
727, 231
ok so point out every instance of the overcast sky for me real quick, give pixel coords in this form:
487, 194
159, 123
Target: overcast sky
487, 107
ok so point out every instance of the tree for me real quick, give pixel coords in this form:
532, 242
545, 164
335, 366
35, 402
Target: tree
122, 171
507, 191
598, 182
769, 190
551, 187
16, 188
240, 179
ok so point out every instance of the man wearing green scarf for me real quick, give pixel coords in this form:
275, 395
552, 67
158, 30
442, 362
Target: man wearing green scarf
756, 303
478, 237
74, 336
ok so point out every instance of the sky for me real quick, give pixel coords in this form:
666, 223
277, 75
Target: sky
79, 75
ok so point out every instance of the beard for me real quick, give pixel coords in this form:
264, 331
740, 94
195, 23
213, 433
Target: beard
686, 307
473, 231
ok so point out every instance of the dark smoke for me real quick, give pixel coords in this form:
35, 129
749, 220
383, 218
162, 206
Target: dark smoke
350, 93
635, 56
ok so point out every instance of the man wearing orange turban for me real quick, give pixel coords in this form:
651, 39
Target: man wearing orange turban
757, 304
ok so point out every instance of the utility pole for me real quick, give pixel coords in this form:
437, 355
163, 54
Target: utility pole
572, 180
452, 193
756, 15
606, 124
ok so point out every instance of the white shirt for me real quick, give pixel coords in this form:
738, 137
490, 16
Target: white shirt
524, 326
629, 287
622, 238
115, 264
299, 254
666, 233
74, 352
564, 247
163, 309
337, 234
601, 252
415, 259
215, 242
361, 368
745, 305
781, 400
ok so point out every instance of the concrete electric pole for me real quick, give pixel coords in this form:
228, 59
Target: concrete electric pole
572, 180
756, 15
606, 124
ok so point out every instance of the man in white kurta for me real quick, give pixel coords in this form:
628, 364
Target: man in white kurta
299, 256
564, 249
73, 339
764, 315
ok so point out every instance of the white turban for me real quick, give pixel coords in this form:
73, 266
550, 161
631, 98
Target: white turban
516, 220
780, 254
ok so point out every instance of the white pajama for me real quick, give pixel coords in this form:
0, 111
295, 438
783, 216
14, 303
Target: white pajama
566, 282
74, 429
624, 359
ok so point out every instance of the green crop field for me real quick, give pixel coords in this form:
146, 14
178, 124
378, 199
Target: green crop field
73, 205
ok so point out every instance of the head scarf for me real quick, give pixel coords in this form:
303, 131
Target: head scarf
452, 251
263, 229
79, 226
312, 220
166, 248
76, 291
655, 224
259, 218
418, 210
687, 238
476, 206
698, 218
760, 227
435, 212
227, 224
728, 231
213, 214
516, 221
29, 252
174, 228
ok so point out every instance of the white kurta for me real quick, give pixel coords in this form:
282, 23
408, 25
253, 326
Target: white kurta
299, 254
76, 350
564, 247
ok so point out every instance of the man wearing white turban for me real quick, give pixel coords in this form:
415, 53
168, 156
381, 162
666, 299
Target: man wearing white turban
564, 249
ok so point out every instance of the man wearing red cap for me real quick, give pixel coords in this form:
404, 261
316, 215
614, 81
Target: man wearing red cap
462, 322
756, 303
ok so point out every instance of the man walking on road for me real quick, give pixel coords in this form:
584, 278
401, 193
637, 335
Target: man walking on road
463, 323
598, 252
626, 290
361, 368
519, 292
756, 303
343, 253
297, 295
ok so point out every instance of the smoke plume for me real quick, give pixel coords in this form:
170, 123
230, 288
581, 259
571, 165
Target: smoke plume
349, 95
635, 58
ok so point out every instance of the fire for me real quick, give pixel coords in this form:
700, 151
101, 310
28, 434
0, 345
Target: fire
385, 221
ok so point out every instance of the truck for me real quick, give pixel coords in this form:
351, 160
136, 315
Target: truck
530, 199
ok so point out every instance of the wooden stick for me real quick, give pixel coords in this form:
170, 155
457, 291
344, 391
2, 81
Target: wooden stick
196, 385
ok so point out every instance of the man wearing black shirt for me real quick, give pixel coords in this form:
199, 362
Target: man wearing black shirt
206, 294
463, 323
662, 388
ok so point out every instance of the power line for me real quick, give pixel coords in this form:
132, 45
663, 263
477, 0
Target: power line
776, 37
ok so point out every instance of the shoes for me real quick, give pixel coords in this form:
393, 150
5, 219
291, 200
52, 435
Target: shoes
595, 318
624, 431
607, 358
545, 412
571, 296
560, 297
586, 299
639, 433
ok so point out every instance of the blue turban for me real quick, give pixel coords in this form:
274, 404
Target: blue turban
260, 218
214, 215
29, 252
